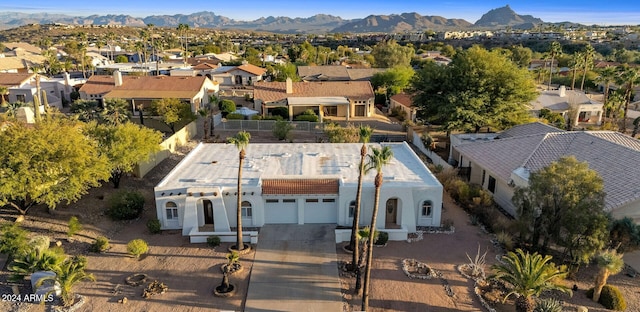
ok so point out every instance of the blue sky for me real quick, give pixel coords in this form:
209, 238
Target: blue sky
612, 12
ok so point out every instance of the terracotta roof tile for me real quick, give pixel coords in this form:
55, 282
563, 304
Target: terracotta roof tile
276, 91
299, 186
403, 99
14, 79
144, 87
251, 69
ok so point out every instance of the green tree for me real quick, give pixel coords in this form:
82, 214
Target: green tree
627, 80
609, 263
68, 274
564, 204
478, 88
389, 54
47, 163
607, 77
121, 59
227, 106
282, 129
282, 72
241, 141
172, 111
392, 81
521, 55
124, 145
529, 275
379, 158
365, 133
115, 111
588, 54
555, 50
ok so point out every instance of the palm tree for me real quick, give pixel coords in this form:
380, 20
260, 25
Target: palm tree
628, 79
554, 50
607, 77
365, 135
68, 274
241, 141
529, 275
377, 160
182, 32
610, 263
115, 112
589, 53
576, 62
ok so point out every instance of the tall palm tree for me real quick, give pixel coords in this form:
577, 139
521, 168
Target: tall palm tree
576, 62
182, 32
377, 160
627, 80
607, 77
241, 141
530, 275
68, 275
610, 263
365, 135
555, 49
589, 54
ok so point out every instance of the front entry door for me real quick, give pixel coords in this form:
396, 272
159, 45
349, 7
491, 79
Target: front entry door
391, 213
208, 211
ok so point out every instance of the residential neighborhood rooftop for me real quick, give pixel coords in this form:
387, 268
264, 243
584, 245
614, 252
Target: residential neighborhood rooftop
218, 163
276, 91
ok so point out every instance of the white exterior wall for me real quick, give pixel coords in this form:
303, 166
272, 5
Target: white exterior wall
631, 210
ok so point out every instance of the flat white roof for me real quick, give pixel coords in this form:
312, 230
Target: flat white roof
216, 164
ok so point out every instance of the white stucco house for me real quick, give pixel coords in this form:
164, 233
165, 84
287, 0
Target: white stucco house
294, 184
575, 106
501, 163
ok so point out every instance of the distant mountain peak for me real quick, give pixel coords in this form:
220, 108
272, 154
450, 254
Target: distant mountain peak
505, 16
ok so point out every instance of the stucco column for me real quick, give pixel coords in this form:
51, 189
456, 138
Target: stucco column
290, 112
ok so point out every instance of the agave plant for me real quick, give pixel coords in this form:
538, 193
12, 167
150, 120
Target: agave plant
35, 260
68, 274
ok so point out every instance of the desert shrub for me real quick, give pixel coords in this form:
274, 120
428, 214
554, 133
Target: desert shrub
74, 226
80, 261
276, 118
398, 113
213, 241
247, 97
154, 226
383, 238
624, 235
101, 244
548, 305
235, 116
446, 177
308, 115
610, 297
281, 129
125, 205
39, 242
505, 240
281, 111
339, 134
137, 247
13, 239
227, 106
428, 141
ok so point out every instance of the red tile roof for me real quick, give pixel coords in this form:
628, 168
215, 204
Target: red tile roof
14, 79
403, 99
276, 91
144, 87
299, 186
251, 69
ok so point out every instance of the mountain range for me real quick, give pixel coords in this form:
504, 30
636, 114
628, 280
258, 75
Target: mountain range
319, 23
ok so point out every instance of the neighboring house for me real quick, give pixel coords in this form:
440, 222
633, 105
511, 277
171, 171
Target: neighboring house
226, 76
501, 164
23, 88
336, 73
343, 99
404, 102
19, 57
573, 105
142, 90
297, 183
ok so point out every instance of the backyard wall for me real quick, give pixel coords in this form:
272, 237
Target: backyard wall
417, 142
167, 147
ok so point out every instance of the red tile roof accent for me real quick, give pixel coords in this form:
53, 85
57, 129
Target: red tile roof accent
251, 69
403, 99
14, 79
276, 91
299, 186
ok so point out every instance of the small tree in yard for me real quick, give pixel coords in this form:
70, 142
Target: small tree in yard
74, 226
172, 111
227, 107
281, 129
610, 263
137, 247
68, 274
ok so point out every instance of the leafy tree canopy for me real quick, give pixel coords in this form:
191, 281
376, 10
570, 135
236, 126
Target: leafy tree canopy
388, 54
394, 80
47, 163
478, 88
172, 111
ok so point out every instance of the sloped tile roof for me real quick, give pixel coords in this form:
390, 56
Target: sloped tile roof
251, 69
553, 101
14, 79
613, 155
12, 62
300, 186
336, 73
403, 99
144, 87
276, 91
99, 84
527, 129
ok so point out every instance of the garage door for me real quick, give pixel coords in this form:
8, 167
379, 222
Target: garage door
320, 210
280, 211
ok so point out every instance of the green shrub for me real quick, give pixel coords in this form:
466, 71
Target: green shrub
137, 247
505, 240
548, 305
227, 106
13, 239
281, 111
610, 297
383, 238
101, 244
213, 241
81, 261
35, 260
39, 242
74, 226
125, 205
154, 226
235, 116
308, 115
281, 129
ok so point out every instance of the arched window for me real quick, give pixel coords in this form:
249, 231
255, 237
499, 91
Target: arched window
246, 209
172, 211
427, 208
352, 208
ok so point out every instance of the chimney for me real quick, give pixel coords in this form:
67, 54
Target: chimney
563, 91
289, 86
117, 77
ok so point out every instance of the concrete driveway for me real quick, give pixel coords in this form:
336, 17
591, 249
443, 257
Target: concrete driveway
295, 269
